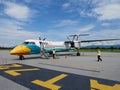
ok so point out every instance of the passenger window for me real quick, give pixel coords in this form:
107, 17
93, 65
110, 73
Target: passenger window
29, 43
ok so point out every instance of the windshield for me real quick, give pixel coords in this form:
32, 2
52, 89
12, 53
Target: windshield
29, 43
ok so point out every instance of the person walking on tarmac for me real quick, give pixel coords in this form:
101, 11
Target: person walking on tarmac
54, 54
99, 55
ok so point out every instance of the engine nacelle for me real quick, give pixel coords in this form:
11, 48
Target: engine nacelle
72, 44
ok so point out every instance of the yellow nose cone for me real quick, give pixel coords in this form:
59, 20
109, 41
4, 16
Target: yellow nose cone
20, 50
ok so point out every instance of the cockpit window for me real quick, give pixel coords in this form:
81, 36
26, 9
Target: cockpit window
29, 43
25, 42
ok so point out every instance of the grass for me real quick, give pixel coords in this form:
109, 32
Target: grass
5, 48
103, 50
84, 49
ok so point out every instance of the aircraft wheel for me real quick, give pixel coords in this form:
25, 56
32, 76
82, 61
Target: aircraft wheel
78, 54
21, 57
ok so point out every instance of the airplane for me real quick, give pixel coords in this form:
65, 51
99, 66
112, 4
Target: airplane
42, 46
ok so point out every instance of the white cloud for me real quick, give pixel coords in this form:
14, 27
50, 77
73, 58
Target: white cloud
105, 24
103, 34
108, 12
11, 29
12, 33
28, 1
65, 5
107, 34
100, 3
61, 33
102, 9
87, 28
94, 35
110, 33
64, 23
17, 11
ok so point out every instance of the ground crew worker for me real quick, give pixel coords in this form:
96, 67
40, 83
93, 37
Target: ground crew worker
99, 55
54, 54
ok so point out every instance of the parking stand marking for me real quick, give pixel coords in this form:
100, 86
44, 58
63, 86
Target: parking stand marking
15, 72
49, 83
44, 79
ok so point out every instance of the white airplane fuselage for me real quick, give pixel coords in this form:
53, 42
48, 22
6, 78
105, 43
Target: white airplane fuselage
36, 46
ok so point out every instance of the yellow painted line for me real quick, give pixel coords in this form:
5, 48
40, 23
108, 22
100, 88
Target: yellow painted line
96, 86
49, 84
55, 79
9, 66
17, 72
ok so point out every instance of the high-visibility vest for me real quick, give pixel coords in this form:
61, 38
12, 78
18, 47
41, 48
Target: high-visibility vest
53, 51
99, 53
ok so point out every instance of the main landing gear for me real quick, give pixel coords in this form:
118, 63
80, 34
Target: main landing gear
78, 53
21, 57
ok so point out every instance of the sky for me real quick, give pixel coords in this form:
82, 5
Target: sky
54, 19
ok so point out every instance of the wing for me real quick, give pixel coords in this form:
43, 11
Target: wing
98, 40
58, 50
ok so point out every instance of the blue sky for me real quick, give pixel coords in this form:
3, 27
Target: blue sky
54, 19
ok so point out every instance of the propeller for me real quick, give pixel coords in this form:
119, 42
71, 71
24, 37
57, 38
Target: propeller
75, 37
39, 38
42, 39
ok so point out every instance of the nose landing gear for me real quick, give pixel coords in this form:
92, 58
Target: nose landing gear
21, 57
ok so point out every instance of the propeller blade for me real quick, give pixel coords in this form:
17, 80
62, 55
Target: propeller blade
39, 38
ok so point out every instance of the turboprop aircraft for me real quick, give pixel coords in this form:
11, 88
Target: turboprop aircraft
43, 46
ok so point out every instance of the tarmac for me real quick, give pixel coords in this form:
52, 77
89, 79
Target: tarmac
66, 72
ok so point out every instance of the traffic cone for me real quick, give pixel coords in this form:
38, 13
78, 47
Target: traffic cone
65, 56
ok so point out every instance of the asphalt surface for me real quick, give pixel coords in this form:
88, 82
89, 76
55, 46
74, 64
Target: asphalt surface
66, 72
